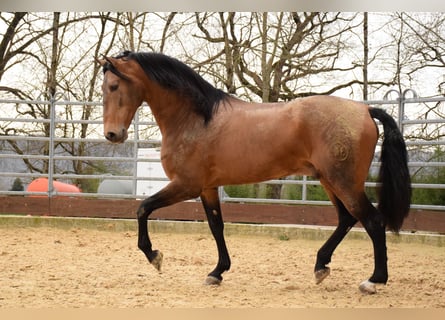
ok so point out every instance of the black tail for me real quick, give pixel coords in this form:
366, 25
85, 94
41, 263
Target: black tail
395, 190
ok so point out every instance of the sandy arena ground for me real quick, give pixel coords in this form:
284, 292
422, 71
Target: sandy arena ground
50, 267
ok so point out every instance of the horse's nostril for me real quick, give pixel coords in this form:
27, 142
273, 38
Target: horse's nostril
111, 136
116, 136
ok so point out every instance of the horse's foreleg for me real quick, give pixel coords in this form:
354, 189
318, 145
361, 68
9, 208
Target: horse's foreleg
210, 201
144, 243
324, 255
171, 194
375, 226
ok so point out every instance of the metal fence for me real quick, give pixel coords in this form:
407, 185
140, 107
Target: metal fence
62, 141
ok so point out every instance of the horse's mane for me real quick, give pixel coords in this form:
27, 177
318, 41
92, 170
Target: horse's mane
172, 74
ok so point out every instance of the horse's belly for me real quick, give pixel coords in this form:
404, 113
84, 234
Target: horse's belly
251, 169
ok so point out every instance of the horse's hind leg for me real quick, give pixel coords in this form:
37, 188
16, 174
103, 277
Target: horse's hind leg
345, 222
210, 201
375, 225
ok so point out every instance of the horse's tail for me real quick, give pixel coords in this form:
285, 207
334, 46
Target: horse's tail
395, 191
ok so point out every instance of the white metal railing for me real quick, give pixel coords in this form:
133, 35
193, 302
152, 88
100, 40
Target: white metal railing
406, 110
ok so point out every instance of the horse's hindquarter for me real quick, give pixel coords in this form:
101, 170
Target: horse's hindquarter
343, 137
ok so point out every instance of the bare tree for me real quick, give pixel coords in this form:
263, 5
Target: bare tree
12, 22
277, 56
266, 57
427, 42
62, 75
365, 55
55, 54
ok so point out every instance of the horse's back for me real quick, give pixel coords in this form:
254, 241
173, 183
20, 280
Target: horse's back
334, 120
326, 109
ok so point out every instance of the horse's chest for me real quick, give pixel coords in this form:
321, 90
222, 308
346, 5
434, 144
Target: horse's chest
182, 160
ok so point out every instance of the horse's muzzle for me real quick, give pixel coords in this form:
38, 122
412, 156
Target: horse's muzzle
116, 137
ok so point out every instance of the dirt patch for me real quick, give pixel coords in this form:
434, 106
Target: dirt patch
50, 267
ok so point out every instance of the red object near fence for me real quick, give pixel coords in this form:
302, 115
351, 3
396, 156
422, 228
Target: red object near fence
41, 185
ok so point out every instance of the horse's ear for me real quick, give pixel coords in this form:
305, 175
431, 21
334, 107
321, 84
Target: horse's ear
100, 61
112, 65
113, 61
105, 60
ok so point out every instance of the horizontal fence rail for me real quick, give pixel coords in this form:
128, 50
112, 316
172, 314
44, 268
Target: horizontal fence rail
67, 145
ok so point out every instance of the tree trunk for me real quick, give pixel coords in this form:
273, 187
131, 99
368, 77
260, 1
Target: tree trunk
365, 56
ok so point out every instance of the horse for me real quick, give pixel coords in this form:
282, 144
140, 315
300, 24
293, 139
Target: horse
211, 138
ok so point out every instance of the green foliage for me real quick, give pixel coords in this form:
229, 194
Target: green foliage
283, 237
317, 193
291, 192
430, 175
99, 167
430, 196
371, 192
241, 191
89, 185
17, 185
268, 191
425, 175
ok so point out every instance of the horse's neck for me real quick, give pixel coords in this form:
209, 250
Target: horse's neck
167, 107
174, 116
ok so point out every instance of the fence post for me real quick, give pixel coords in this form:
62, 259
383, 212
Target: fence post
304, 189
399, 103
402, 102
135, 152
52, 129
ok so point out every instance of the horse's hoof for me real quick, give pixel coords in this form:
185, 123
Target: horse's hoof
157, 260
212, 281
368, 287
321, 274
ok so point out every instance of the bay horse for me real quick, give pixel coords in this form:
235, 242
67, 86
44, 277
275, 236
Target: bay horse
211, 139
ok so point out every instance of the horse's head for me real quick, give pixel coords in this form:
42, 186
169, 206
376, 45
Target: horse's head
122, 95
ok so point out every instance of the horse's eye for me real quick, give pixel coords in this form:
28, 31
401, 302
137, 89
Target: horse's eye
114, 87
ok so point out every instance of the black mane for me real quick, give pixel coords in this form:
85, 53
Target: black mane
174, 75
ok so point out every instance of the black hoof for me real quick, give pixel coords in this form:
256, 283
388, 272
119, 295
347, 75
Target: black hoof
321, 274
156, 259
